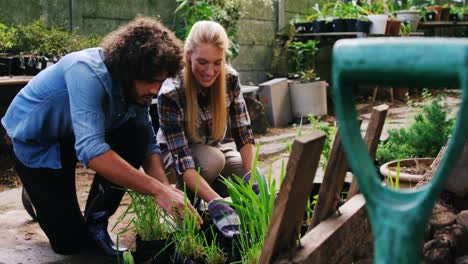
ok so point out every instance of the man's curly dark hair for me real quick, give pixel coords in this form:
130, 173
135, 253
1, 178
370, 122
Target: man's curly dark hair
141, 50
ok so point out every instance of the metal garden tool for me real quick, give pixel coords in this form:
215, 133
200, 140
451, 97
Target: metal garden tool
398, 217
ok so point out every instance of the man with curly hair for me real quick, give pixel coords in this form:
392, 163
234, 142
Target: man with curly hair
93, 106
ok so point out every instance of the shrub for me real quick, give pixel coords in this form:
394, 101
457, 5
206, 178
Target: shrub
38, 39
424, 138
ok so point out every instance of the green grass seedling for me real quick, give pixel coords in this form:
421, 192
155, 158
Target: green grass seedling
254, 211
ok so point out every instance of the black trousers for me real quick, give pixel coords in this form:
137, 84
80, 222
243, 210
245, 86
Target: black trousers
53, 191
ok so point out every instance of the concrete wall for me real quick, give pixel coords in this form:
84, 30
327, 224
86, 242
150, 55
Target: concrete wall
89, 16
256, 34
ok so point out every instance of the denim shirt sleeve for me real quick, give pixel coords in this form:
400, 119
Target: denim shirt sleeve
88, 99
144, 117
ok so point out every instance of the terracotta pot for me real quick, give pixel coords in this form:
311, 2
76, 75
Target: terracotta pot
437, 9
406, 179
393, 28
445, 14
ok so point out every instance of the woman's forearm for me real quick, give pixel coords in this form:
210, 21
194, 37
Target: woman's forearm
199, 186
247, 154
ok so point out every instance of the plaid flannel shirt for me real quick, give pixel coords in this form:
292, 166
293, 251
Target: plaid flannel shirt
173, 133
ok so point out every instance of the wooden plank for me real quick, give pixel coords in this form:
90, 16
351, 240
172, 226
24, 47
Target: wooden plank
337, 239
15, 80
332, 184
295, 190
372, 138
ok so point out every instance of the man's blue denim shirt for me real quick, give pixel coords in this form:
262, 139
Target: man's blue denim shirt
73, 98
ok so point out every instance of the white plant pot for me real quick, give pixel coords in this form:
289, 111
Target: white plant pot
412, 16
308, 98
379, 23
406, 179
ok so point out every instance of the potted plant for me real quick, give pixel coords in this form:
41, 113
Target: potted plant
405, 30
456, 13
153, 227
378, 17
393, 24
363, 24
405, 173
303, 24
308, 94
322, 18
192, 245
409, 14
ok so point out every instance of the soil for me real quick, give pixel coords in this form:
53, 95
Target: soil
419, 170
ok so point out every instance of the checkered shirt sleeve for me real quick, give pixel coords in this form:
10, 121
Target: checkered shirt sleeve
171, 120
239, 119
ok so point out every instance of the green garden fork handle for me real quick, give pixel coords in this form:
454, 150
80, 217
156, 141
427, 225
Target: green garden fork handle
398, 217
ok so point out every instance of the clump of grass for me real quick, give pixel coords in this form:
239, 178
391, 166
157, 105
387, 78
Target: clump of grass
148, 220
254, 210
394, 184
192, 243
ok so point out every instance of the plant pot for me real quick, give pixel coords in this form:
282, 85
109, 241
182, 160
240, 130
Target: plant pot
6, 63
304, 27
411, 16
412, 170
379, 23
363, 26
350, 24
454, 17
445, 15
339, 25
308, 98
393, 28
437, 10
430, 16
323, 26
156, 249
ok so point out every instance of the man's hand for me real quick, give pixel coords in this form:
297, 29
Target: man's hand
224, 217
173, 202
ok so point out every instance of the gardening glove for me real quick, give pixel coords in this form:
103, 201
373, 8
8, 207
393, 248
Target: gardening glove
247, 177
224, 217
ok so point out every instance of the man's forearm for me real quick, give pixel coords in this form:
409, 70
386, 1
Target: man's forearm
154, 167
115, 169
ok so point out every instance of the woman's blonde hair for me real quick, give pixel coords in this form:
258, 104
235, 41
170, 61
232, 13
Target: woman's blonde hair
206, 32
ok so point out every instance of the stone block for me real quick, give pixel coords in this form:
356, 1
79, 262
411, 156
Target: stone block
274, 95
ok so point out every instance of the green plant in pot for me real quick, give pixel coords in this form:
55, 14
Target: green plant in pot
456, 13
308, 94
322, 17
194, 244
152, 225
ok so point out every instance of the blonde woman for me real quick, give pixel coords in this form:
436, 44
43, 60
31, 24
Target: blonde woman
194, 111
